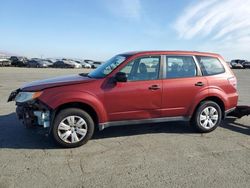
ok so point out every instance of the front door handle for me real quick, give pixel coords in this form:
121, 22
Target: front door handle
199, 84
154, 87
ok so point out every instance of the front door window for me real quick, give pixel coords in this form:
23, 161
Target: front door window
144, 68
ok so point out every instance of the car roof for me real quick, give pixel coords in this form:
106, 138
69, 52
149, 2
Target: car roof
176, 52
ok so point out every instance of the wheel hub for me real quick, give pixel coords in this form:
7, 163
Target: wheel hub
209, 117
72, 129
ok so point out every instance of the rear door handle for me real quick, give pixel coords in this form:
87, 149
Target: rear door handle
199, 84
154, 87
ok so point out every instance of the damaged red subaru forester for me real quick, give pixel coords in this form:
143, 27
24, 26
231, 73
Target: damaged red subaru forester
131, 88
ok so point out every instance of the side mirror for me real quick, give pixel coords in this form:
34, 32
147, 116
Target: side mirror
120, 77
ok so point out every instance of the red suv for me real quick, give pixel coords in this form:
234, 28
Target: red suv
131, 88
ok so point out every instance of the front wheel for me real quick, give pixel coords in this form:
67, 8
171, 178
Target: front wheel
72, 127
207, 117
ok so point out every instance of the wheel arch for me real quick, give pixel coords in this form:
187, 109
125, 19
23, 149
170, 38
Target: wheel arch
86, 101
83, 106
215, 99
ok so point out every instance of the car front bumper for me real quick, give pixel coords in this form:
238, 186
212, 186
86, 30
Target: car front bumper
34, 113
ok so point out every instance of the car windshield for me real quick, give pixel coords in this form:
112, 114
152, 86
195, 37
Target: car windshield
107, 67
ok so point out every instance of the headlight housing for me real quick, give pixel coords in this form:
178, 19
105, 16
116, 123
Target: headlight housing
27, 96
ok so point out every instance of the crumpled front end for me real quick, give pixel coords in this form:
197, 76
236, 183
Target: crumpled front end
30, 109
34, 113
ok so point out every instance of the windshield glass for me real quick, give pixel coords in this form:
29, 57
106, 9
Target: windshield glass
106, 68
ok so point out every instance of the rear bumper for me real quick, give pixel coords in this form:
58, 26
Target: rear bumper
240, 111
229, 111
231, 102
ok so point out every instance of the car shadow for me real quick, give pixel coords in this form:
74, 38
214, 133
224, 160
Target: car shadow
152, 128
231, 124
14, 136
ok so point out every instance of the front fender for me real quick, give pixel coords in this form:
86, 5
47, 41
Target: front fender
54, 100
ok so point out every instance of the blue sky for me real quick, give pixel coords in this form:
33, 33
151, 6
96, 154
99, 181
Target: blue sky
99, 29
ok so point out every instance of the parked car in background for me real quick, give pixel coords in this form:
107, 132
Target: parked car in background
62, 64
52, 60
90, 62
229, 64
5, 61
237, 64
18, 61
246, 64
39, 63
66, 64
196, 87
96, 64
76, 64
84, 64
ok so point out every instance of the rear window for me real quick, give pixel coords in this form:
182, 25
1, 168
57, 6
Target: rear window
210, 65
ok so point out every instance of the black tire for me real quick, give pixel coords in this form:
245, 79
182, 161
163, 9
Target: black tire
199, 124
73, 112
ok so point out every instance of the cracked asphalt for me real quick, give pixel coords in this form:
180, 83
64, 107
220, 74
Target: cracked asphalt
155, 155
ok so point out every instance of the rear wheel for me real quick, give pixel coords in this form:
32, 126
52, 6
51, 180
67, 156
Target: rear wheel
72, 127
207, 117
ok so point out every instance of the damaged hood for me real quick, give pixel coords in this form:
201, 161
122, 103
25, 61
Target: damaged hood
55, 82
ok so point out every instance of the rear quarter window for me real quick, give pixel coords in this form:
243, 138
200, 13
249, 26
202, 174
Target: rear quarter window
210, 65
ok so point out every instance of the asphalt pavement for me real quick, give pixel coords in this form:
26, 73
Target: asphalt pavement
155, 155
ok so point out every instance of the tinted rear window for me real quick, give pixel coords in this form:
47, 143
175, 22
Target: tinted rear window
210, 65
180, 67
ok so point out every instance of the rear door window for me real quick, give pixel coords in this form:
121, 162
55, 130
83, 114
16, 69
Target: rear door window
210, 65
180, 67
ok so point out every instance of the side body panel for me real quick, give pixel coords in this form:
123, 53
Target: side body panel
220, 87
133, 100
180, 94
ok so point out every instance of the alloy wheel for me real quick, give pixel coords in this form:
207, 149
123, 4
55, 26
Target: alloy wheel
72, 129
209, 117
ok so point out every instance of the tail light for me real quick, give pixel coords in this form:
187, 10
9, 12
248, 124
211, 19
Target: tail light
233, 81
